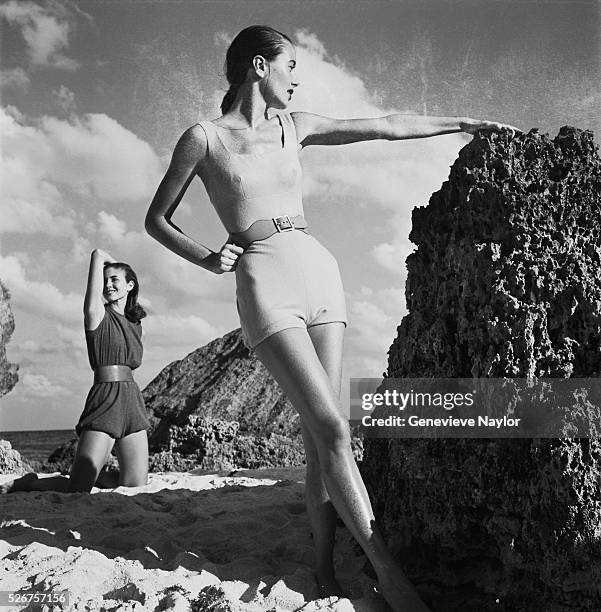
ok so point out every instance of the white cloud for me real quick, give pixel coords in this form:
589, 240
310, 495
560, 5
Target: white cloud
38, 386
53, 170
326, 86
42, 298
45, 30
175, 330
65, 99
81, 249
110, 227
373, 317
391, 256
61, 343
14, 77
98, 157
30, 202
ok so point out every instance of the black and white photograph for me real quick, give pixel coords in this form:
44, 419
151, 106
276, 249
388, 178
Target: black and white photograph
219, 220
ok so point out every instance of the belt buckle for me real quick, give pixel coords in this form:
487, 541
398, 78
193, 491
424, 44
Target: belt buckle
283, 223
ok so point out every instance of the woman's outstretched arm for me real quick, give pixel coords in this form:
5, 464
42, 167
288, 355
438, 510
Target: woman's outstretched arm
189, 153
318, 130
93, 304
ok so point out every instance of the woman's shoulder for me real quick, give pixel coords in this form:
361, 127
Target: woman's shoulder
196, 134
103, 320
193, 143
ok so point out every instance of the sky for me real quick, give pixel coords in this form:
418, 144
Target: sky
94, 96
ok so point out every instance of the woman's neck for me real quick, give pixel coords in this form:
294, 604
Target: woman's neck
249, 109
118, 305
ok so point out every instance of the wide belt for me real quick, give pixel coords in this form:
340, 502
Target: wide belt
265, 228
113, 373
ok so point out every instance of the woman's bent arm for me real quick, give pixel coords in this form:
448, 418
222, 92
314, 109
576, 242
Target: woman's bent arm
93, 304
188, 154
315, 129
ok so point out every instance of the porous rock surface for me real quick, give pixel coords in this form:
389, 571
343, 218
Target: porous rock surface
505, 282
8, 371
10, 459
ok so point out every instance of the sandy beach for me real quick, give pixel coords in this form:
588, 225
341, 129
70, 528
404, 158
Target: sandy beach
186, 541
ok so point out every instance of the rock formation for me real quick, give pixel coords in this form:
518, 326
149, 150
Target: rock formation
10, 459
505, 282
8, 371
218, 408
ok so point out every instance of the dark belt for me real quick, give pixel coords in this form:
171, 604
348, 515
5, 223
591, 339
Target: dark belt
264, 228
113, 373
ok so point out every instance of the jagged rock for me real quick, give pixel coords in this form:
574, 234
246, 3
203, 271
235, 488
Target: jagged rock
10, 459
215, 444
504, 283
221, 408
221, 380
8, 371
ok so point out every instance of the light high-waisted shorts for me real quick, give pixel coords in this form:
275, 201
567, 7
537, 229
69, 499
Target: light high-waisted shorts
288, 280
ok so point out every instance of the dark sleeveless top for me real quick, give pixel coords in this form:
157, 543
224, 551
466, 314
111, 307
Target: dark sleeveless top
116, 408
116, 341
244, 187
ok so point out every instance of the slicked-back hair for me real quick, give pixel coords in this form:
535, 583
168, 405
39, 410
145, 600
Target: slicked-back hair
250, 42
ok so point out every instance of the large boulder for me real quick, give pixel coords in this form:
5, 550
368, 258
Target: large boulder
504, 283
8, 371
10, 459
219, 408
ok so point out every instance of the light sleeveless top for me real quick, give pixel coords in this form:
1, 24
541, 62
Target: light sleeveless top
245, 187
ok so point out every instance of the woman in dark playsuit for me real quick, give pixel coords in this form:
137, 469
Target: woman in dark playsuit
114, 412
288, 288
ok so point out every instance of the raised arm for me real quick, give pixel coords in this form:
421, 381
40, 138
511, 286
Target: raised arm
317, 130
93, 304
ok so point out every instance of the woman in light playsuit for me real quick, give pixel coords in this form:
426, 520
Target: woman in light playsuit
288, 287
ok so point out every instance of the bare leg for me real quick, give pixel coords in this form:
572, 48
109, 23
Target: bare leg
107, 479
327, 340
132, 454
92, 450
292, 359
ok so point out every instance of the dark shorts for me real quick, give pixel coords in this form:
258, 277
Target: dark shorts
115, 408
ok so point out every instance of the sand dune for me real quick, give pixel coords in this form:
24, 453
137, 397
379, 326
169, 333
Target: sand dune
186, 541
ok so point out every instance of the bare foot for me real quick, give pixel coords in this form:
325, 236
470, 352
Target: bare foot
330, 587
19, 484
400, 594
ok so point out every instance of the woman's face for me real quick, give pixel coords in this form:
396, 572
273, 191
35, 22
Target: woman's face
280, 81
115, 285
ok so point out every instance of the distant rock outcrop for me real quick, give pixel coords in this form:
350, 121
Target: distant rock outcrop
8, 371
219, 408
10, 459
505, 282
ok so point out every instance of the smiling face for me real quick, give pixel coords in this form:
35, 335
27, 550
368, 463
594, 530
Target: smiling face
280, 80
116, 287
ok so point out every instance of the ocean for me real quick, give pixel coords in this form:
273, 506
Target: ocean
37, 445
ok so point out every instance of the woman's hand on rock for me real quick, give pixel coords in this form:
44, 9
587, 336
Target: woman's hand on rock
471, 126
